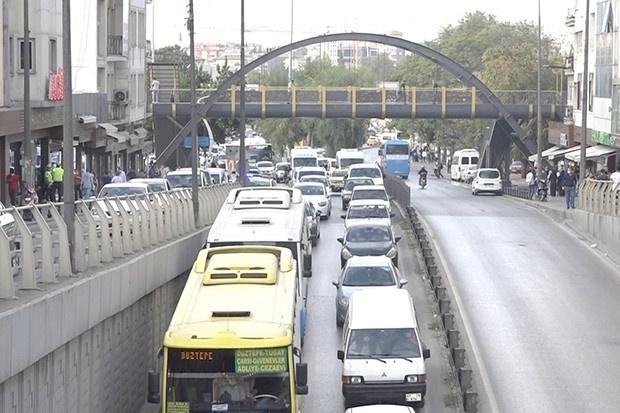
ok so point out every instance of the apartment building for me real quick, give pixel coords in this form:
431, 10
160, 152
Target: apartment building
603, 88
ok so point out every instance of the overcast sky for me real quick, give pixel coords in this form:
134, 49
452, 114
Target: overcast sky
268, 22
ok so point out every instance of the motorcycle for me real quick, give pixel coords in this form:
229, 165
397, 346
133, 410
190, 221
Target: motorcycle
541, 192
30, 199
422, 180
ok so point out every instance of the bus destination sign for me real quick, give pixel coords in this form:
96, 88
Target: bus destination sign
268, 360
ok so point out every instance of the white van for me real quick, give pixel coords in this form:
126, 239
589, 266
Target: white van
383, 355
464, 165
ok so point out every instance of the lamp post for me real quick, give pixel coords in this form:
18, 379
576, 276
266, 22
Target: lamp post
290, 54
193, 120
241, 164
538, 103
584, 98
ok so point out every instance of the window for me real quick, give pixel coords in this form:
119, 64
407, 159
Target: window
32, 54
53, 56
590, 91
579, 91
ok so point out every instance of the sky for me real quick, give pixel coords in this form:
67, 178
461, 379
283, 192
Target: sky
268, 22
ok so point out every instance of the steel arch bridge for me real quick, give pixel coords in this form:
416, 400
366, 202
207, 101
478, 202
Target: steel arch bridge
497, 146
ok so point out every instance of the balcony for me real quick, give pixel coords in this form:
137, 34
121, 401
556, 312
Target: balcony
115, 45
570, 18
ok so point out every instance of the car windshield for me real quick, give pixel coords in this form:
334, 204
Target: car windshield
301, 174
121, 191
369, 194
180, 181
311, 190
313, 178
361, 212
370, 172
368, 277
350, 184
369, 234
488, 174
158, 186
339, 172
282, 167
264, 164
392, 342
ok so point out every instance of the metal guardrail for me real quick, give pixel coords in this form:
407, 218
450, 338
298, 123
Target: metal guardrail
38, 251
397, 189
517, 192
598, 197
350, 95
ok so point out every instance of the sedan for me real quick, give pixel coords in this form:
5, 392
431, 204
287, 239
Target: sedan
315, 178
123, 193
367, 209
372, 237
516, 167
361, 273
318, 196
349, 184
487, 180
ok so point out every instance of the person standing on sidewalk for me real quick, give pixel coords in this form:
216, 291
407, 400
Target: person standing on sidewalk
58, 175
12, 180
570, 187
615, 179
530, 180
88, 184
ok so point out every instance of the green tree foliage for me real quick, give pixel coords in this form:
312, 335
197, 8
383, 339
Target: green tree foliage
175, 54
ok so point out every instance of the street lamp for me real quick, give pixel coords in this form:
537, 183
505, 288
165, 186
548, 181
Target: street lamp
538, 103
584, 98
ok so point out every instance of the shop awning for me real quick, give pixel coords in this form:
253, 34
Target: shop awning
112, 132
591, 152
545, 153
562, 152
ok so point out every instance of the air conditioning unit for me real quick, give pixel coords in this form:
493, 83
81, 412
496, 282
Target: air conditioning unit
121, 96
568, 112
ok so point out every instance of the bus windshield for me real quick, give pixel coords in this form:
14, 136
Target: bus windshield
203, 380
397, 149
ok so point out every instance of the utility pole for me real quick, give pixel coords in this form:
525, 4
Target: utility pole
540, 173
584, 98
28, 161
241, 164
192, 75
67, 133
290, 54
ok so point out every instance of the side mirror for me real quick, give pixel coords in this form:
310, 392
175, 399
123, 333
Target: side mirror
340, 240
153, 387
402, 283
335, 283
392, 215
301, 378
340, 355
396, 239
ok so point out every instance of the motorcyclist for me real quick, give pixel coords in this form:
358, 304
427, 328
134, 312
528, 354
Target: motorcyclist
422, 172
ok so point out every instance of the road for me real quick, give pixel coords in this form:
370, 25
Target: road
539, 306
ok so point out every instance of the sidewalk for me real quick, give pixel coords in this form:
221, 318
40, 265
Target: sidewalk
554, 205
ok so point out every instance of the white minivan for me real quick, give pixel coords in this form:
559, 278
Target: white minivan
383, 355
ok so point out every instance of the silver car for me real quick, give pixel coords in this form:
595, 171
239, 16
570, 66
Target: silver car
314, 222
361, 272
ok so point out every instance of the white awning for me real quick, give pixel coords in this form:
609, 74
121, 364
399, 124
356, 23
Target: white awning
141, 133
121, 137
108, 127
591, 152
546, 152
563, 152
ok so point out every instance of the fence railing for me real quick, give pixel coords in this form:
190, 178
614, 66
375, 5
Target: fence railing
357, 95
598, 197
38, 251
398, 189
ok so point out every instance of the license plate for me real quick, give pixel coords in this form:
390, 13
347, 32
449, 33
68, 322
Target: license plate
488, 184
413, 397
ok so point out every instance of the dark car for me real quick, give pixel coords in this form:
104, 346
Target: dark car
347, 189
369, 238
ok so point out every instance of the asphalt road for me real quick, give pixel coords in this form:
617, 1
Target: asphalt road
539, 306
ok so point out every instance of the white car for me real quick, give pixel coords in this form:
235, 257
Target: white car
126, 192
380, 408
371, 192
369, 170
317, 194
309, 170
366, 209
7, 222
266, 168
487, 180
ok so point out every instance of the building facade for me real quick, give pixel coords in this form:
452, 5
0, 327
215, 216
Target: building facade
602, 88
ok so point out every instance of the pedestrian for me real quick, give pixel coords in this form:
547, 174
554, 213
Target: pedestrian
569, 183
88, 184
603, 175
121, 172
553, 181
13, 181
155, 90
58, 175
589, 174
615, 179
151, 172
117, 179
131, 175
48, 183
530, 180
107, 178
77, 184
561, 174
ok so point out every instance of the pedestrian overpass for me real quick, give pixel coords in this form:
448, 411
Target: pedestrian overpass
473, 101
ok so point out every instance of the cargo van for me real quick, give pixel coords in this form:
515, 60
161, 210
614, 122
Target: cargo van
383, 355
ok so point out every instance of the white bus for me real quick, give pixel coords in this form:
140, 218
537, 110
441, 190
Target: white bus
464, 164
266, 216
303, 156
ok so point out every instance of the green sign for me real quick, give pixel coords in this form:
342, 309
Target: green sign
177, 407
267, 360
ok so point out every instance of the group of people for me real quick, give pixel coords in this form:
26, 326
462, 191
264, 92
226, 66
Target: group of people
424, 155
564, 183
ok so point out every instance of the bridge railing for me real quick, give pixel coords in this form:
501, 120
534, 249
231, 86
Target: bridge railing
598, 197
38, 251
350, 94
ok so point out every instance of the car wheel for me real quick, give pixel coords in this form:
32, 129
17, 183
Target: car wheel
500, 192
